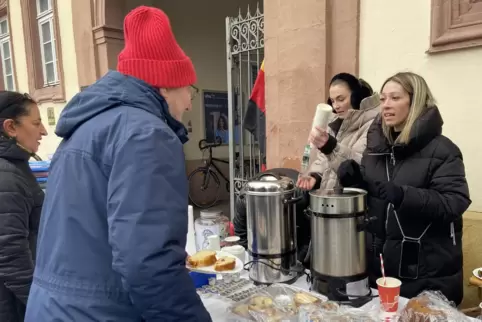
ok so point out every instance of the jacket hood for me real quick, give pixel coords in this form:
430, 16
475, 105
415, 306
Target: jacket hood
425, 129
113, 90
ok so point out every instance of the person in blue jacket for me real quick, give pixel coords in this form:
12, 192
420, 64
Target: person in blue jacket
113, 229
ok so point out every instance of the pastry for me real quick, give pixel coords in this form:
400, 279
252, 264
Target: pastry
329, 306
202, 259
262, 304
418, 310
302, 298
225, 264
242, 310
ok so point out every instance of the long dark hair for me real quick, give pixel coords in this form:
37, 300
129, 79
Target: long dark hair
359, 88
13, 105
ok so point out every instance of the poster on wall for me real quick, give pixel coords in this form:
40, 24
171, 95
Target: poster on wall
216, 117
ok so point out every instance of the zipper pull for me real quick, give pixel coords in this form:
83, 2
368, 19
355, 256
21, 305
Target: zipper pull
452, 233
392, 157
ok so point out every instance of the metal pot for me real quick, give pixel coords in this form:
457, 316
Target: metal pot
338, 253
271, 225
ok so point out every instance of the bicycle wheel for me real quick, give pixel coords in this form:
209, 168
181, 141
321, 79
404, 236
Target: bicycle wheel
203, 188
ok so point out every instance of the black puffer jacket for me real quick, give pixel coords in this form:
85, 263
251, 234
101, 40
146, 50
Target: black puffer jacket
20, 205
302, 222
431, 173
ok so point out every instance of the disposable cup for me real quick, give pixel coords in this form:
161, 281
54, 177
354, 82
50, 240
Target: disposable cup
389, 293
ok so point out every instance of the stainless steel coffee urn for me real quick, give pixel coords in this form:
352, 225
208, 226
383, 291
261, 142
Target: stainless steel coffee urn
271, 224
338, 254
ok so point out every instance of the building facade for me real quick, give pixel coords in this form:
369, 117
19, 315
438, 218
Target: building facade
52, 49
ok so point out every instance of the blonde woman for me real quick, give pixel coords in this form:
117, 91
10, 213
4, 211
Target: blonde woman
417, 191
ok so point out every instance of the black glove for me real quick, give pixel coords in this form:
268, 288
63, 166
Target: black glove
349, 174
390, 192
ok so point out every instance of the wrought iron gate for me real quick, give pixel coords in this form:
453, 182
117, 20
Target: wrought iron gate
244, 53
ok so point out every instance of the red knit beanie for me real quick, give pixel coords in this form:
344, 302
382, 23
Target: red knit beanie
151, 52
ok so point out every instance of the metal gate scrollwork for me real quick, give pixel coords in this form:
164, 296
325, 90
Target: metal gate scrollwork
244, 53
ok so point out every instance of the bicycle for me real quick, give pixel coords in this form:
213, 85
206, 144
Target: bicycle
207, 174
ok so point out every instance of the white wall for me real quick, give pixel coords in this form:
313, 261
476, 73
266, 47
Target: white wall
394, 36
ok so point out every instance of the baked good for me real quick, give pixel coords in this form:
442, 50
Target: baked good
261, 304
419, 310
242, 310
202, 258
329, 306
225, 264
302, 298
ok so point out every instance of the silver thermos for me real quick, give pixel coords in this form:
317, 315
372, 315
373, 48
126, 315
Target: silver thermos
271, 224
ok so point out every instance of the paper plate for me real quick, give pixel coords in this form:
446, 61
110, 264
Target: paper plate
475, 272
210, 269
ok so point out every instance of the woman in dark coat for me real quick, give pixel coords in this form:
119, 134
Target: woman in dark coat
21, 199
418, 192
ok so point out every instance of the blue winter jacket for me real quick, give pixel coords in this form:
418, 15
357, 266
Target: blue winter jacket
112, 238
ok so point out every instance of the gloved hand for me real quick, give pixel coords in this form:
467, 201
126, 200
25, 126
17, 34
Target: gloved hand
349, 174
390, 192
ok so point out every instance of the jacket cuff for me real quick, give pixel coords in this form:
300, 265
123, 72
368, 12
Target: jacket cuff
318, 180
330, 145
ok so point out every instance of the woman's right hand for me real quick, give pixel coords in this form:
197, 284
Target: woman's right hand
306, 182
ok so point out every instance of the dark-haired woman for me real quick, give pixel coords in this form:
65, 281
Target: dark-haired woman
355, 107
21, 199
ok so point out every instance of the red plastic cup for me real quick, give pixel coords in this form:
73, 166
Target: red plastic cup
389, 294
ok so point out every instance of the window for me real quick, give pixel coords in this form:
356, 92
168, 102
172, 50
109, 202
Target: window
456, 24
45, 18
43, 50
6, 55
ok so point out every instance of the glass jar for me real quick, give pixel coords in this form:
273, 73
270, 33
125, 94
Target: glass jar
223, 226
209, 223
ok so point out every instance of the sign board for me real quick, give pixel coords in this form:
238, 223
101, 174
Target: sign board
51, 115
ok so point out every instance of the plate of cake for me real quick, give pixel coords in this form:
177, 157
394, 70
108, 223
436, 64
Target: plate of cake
214, 262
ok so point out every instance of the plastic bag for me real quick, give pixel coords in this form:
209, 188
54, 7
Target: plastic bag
334, 313
431, 306
277, 302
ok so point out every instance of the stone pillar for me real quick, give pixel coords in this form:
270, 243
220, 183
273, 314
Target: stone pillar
306, 42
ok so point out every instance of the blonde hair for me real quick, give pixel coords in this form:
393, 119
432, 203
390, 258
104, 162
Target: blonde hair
421, 98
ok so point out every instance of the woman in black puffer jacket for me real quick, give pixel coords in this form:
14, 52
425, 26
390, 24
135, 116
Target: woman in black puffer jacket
417, 190
21, 199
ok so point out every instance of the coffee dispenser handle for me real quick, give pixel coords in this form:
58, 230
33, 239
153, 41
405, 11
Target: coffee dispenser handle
366, 222
307, 212
292, 200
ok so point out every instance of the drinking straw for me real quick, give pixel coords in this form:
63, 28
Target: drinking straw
383, 270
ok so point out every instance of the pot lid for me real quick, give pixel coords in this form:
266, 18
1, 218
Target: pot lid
338, 193
270, 182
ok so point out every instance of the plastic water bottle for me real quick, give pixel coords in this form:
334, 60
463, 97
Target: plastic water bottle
305, 160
